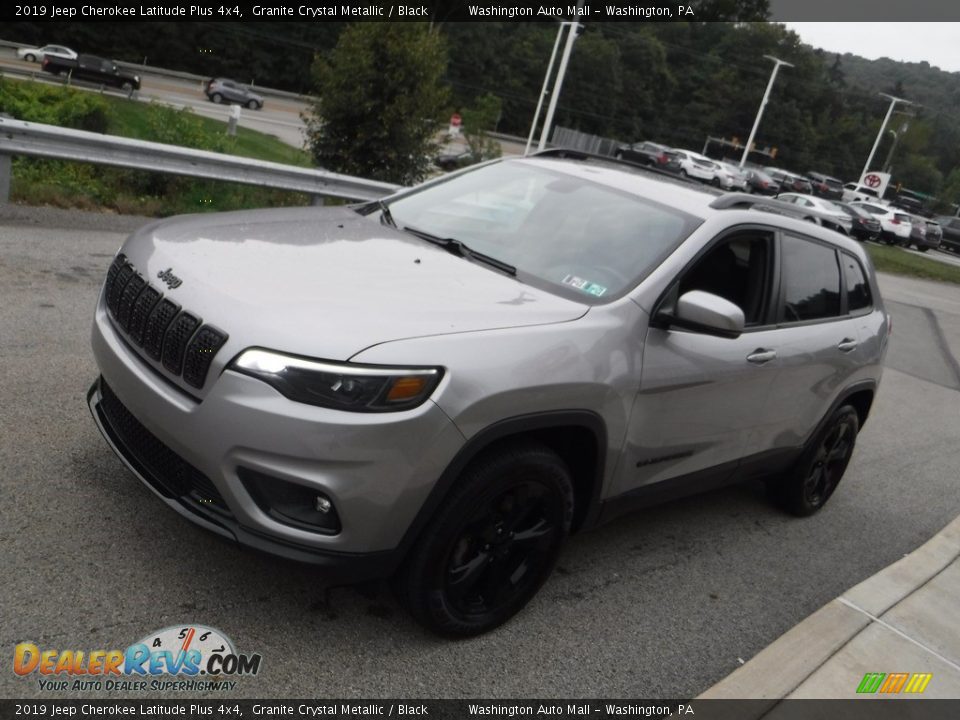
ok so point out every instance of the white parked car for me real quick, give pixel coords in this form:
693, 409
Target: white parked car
859, 193
32, 54
739, 179
895, 225
829, 214
700, 167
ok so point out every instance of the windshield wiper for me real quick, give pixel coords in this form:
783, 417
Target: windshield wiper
458, 247
385, 213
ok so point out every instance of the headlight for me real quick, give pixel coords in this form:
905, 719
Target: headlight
341, 386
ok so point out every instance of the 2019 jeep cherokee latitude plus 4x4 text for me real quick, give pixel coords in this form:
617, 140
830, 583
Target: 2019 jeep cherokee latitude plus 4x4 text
441, 386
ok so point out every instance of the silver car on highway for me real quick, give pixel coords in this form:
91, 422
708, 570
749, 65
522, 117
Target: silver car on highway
442, 385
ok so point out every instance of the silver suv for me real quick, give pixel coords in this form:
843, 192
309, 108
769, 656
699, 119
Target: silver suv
220, 90
441, 386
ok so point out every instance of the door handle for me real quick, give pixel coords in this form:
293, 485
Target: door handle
761, 356
847, 344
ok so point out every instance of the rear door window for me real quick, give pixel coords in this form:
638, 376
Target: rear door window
858, 289
810, 280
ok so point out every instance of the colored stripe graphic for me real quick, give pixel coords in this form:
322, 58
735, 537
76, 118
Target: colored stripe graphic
871, 682
918, 682
894, 682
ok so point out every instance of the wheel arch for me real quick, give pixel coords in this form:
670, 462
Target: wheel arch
567, 432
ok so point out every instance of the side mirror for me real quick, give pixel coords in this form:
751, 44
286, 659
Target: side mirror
705, 312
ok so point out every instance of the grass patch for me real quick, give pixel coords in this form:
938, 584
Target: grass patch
38, 181
897, 262
132, 119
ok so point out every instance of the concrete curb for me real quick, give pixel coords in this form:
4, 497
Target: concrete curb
780, 668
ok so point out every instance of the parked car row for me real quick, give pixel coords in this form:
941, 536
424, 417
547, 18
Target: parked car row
851, 208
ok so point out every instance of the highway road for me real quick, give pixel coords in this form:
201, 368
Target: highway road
662, 603
279, 117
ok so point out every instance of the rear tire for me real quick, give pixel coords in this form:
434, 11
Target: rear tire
217, 98
492, 544
30, 57
253, 105
814, 477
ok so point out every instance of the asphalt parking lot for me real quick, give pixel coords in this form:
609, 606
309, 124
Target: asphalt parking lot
662, 603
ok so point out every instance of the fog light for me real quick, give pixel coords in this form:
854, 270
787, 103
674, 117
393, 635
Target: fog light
291, 503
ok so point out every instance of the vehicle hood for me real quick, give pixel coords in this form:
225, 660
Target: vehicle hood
327, 282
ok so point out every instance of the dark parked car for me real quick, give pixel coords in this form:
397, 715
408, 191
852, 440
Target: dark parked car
920, 235
865, 226
790, 182
646, 153
934, 233
950, 227
92, 69
220, 90
825, 186
454, 158
761, 183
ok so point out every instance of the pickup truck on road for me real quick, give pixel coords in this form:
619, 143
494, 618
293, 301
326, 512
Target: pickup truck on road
92, 69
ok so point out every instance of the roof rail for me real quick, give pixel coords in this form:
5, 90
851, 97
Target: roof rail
746, 201
571, 154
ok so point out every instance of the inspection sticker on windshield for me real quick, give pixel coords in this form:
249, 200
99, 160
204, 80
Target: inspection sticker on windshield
588, 287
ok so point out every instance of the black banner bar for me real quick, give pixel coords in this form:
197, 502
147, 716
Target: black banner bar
481, 10
863, 709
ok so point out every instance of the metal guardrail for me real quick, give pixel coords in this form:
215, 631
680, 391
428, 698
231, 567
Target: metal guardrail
37, 140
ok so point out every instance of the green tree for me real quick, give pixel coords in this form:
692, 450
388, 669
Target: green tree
951, 190
479, 120
378, 98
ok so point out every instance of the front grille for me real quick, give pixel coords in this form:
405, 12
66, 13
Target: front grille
157, 324
175, 341
165, 468
176, 338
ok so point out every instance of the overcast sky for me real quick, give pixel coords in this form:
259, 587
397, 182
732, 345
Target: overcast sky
937, 43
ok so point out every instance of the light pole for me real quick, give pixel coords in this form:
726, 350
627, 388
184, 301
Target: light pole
763, 104
543, 90
887, 165
558, 83
893, 103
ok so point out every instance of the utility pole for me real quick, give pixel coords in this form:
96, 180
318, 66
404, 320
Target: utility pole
893, 103
564, 59
543, 90
763, 103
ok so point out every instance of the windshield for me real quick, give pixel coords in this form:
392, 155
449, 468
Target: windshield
566, 234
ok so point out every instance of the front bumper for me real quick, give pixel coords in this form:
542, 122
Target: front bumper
377, 468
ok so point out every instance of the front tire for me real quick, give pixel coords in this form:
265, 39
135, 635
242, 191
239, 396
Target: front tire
30, 57
253, 105
493, 542
815, 476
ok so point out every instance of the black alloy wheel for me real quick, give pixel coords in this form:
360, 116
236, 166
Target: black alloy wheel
817, 473
493, 544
